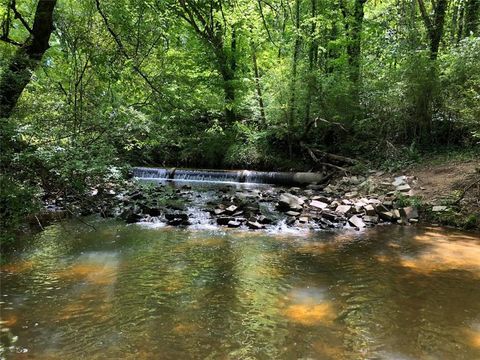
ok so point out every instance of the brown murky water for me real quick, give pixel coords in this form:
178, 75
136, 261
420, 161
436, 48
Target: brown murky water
127, 292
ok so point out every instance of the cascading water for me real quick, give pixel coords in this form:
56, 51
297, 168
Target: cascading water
227, 176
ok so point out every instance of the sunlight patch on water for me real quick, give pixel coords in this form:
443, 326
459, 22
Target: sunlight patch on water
311, 315
18, 267
309, 306
444, 252
95, 267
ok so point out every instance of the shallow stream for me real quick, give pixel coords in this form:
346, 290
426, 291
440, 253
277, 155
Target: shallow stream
133, 292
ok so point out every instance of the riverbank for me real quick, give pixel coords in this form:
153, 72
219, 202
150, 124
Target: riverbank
432, 192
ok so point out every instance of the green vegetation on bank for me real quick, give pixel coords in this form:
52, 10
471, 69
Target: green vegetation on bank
87, 86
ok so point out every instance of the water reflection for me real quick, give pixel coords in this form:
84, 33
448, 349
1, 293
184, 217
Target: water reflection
135, 293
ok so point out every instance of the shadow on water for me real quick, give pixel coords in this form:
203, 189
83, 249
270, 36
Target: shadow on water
135, 293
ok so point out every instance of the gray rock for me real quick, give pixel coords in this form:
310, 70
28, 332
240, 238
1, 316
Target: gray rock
262, 219
439, 208
409, 213
399, 180
224, 220
371, 219
351, 194
290, 202
403, 188
218, 211
292, 213
381, 208
303, 219
255, 225
386, 215
357, 222
318, 204
396, 214
370, 210
329, 215
343, 209
234, 224
231, 209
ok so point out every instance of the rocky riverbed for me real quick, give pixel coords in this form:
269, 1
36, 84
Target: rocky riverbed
350, 202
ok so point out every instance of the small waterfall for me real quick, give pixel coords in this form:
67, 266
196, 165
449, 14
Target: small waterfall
227, 176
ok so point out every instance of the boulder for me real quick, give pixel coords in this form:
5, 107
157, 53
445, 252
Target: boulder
370, 210
303, 219
343, 209
290, 202
395, 213
224, 220
357, 222
386, 215
399, 180
255, 225
329, 215
152, 211
318, 204
321, 198
231, 209
130, 216
439, 208
351, 194
403, 188
234, 224
380, 209
292, 213
409, 213
371, 219
176, 215
262, 219
177, 218
219, 211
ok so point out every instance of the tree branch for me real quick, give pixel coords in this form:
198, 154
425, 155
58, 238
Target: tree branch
6, 39
123, 50
19, 16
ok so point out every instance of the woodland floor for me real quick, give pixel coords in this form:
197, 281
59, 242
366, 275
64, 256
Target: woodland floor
444, 183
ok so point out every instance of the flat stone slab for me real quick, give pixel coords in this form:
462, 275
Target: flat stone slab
403, 188
318, 204
343, 209
357, 222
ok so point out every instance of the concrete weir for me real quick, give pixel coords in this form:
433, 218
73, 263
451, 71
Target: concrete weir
228, 176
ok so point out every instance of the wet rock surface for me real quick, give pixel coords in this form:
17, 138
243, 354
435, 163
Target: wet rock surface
351, 202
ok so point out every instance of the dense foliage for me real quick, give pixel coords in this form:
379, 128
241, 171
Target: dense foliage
234, 83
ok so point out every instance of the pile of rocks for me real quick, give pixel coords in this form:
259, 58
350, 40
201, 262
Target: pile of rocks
356, 201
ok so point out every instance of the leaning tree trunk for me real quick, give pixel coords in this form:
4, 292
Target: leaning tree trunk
26, 58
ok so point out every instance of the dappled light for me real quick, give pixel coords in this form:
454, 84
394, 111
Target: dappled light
310, 314
443, 251
186, 293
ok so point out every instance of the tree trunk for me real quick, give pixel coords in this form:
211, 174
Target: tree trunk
354, 45
26, 58
434, 26
472, 8
312, 54
257, 86
296, 54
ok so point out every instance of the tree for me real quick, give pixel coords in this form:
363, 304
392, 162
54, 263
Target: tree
28, 55
207, 19
434, 25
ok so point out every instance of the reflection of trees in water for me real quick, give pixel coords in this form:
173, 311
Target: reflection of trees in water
149, 293
394, 295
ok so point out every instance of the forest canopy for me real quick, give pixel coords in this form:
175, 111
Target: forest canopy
87, 85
